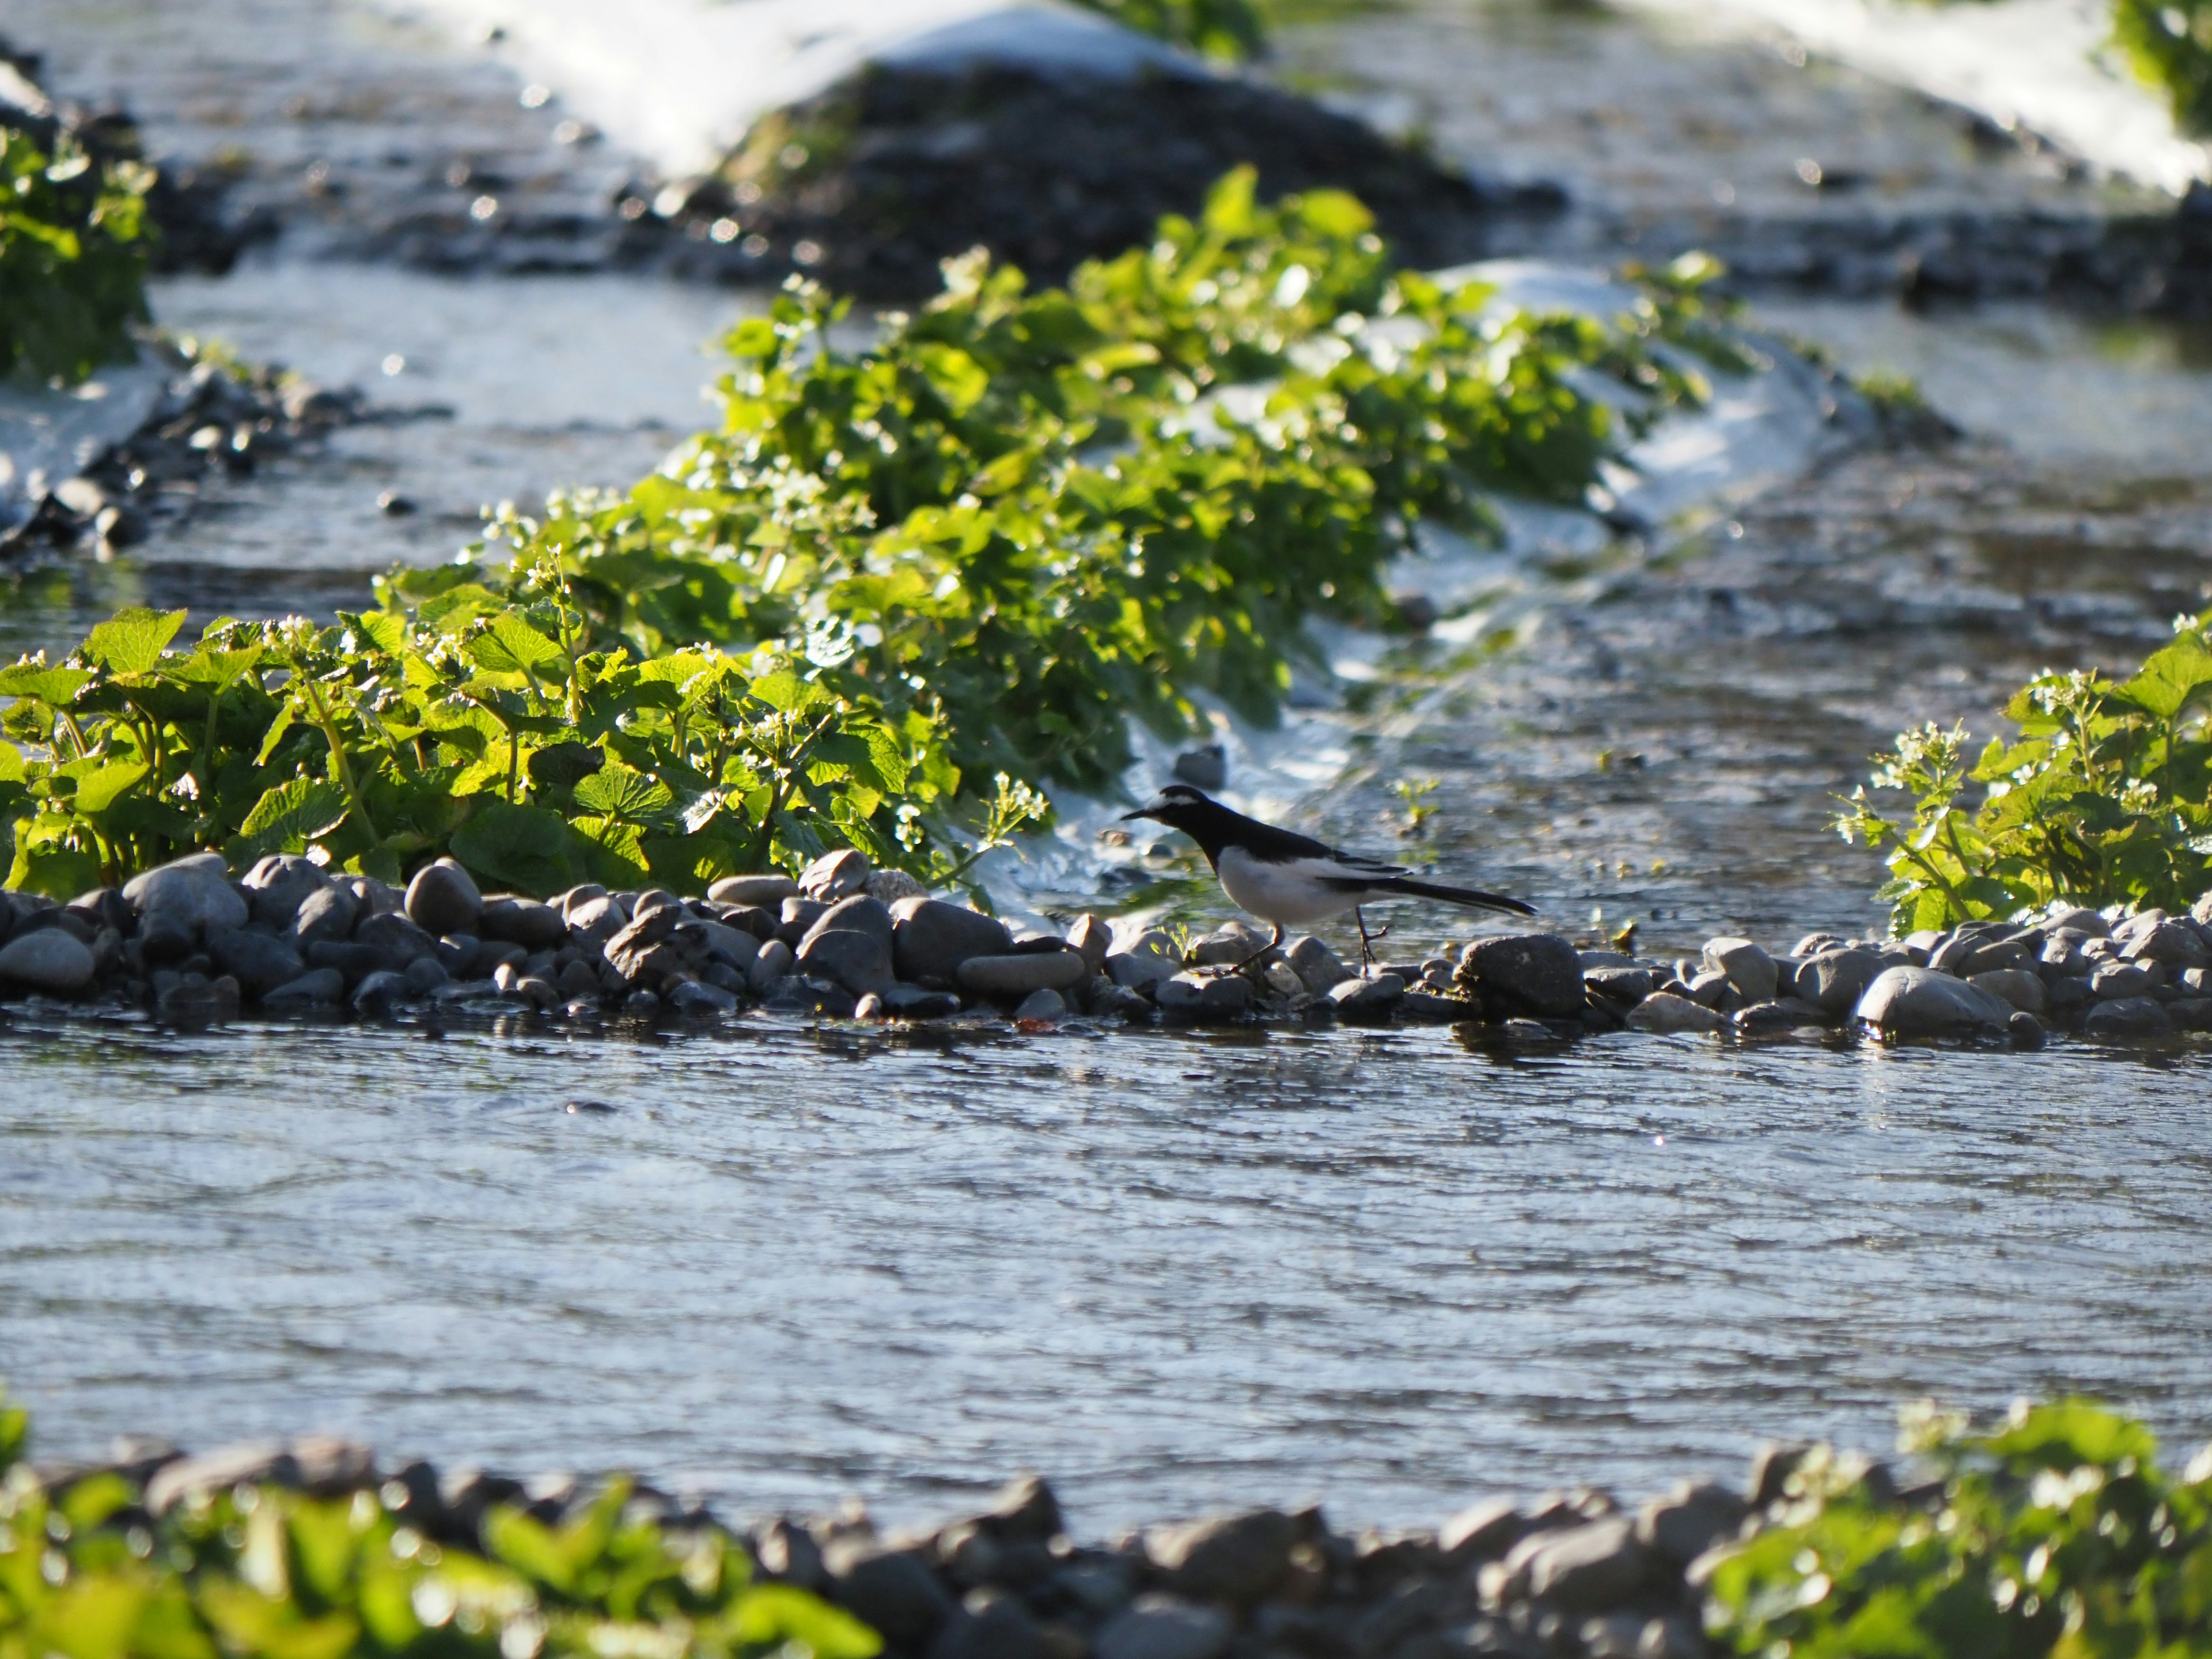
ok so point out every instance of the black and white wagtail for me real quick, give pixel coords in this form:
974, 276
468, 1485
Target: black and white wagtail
1292, 880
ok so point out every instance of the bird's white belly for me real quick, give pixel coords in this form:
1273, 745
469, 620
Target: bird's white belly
1285, 893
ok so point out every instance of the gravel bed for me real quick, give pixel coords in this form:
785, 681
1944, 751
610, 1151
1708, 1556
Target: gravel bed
194, 943
1558, 1576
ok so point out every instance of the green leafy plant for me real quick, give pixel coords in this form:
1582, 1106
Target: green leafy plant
2102, 800
1031, 516
72, 255
2168, 43
260, 1572
1226, 29
473, 724
2053, 1534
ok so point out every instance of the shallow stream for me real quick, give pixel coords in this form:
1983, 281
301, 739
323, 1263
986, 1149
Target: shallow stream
1386, 1270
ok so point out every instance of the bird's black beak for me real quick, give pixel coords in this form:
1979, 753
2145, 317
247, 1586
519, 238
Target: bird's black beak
1150, 809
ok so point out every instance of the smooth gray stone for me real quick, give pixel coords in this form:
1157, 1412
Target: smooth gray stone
1206, 767
2176, 944
1834, 981
1237, 1558
1180, 996
1664, 1014
1921, 1002
1091, 938
1318, 968
1592, 1568
2193, 1013
1165, 1627
1227, 945
2020, 987
2115, 980
1226, 996
380, 992
193, 894
859, 914
279, 885
524, 922
1750, 969
594, 921
424, 976
443, 899
724, 944
258, 962
2127, 1016
1542, 971
355, 961
2092, 922
2026, 1031
693, 997
1481, 1532
1629, 985
1018, 975
1782, 1014
835, 875
325, 916
1373, 1001
918, 1002
772, 964
859, 961
1149, 959
1048, 1006
1689, 1520
767, 892
1432, 1008
318, 988
49, 960
892, 1590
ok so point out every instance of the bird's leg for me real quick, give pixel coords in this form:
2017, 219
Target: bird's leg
1366, 939
1272, 944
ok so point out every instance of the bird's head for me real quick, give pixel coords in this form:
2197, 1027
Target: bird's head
1177, 805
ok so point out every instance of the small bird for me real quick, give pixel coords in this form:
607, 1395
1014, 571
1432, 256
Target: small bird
1292, 880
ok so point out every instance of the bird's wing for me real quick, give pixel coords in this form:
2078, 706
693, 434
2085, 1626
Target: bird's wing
1359, 864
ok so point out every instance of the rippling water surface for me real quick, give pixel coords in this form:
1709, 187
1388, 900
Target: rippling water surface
779, 1265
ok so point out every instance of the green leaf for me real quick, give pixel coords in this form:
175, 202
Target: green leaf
56, 686
97, 791
131, 641
2172, 679
510, 645
527, 849
619, 791
292, 816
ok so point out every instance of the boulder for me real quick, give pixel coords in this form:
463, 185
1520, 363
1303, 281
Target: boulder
835, 875
48, 960
892, 1590
443, 899
767, 892
1750, 969
258, 961
1144, 961
1664, 1014
1018, 975
858, 960
1165, 1627
326, 916
1625, 986
1540, 972
396, 936
1318, 968
1237, 1558
2176, 944
1044, 1007
1481, 1532
859, 913
2124, 1016
1921, 1002
1835, 979
518, 920
191, 895
2021, 987
278, 885
1592, 1568
1373, 1001
318, 988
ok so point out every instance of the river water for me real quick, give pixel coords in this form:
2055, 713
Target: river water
1386, 1270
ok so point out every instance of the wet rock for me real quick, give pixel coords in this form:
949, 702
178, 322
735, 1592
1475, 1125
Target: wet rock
2127, 1016
767, 891
1784, 1014
1920, 1002
396, 936
319, 987
1090, 938
258, 962
324, 916
443, 899
1835, 979
1771, 1467
858, 960
2176, 944
1238, 1558
893, 1590
773, 962
1540, 972
835, 875
890, 886
1148, 959
798, 916
919, 1002
1481, 1532
190, 893
2022, 988
991, 1623
1664, 1014
1157, 1627
1180, 997
2025, 1032
1626, 986
695, 997
424, 976
379, 993
1750, 969
1045, 1007
49, 960
1592, 1568
1427, 1008
1014, 976
930, 939
1368, 1001
2091, 922
1689, 1520
524, 922
2116, 980
1318, 968
2191, 1013
277, 885
1230, 945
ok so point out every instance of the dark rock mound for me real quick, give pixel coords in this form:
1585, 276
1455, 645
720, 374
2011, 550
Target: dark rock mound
870, 185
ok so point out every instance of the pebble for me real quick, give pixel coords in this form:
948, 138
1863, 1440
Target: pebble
772, 964
1018, 975
1318, 968
443, 899
1148, 959
1541, 971
835, 875
1921, 1002
1666, 1015
523, 921
1750, 969
325, 916
1045, 1006
1364, 1001
768, 891
48, 960
1091, 938
2022, 988
930, 939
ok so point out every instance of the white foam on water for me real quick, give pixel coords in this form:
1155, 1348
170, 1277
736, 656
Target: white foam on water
2043, 64
679, 82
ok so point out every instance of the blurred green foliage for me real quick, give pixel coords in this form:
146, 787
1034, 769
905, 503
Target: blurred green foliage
2105, 798
2054, 1534
1031, 515
260, 1572
72, 256
1230, 30
2169, 43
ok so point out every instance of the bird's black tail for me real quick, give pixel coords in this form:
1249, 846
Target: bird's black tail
1466, 896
